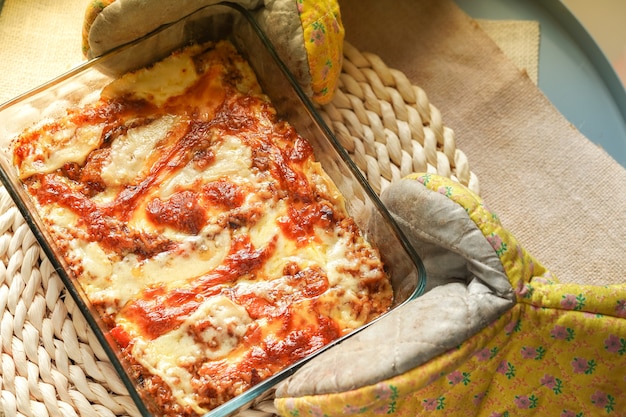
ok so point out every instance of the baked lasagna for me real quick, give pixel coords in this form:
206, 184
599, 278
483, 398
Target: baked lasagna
200, 227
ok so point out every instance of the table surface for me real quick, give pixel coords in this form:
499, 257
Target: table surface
574, 73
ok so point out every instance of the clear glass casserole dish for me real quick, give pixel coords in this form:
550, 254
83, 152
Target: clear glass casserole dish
209, 23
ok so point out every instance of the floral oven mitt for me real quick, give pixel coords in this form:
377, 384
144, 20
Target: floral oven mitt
495, 335
308, 35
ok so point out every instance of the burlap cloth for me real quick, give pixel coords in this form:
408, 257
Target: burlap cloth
557, 192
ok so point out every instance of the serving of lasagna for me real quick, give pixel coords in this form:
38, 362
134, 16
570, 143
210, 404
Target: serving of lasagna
201, 228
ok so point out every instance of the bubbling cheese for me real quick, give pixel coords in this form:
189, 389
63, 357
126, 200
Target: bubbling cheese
201, 228
130, 153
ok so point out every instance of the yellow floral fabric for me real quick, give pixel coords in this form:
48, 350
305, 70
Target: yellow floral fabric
323, 41
560, 351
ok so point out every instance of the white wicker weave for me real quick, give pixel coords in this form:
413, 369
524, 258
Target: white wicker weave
389, 127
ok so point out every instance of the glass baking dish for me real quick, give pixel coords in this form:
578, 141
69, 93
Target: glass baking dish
217, 22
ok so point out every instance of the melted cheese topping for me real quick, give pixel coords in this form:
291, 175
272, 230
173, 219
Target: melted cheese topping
201, 227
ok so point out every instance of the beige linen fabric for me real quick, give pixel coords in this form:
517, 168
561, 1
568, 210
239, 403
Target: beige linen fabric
519, 40
39, 40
